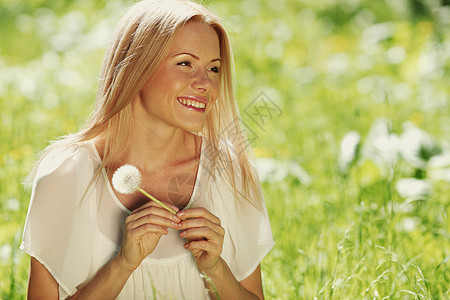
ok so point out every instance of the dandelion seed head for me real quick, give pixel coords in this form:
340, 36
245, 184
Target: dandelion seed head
126, 179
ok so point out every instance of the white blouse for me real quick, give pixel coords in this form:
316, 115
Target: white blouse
73, 233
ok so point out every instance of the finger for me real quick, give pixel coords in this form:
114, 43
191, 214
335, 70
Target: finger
147, 228
153, 203
153, 220
203, 245
201, 222
152, 210
202, 233
198, 212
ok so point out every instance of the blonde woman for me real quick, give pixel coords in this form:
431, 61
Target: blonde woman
165, 105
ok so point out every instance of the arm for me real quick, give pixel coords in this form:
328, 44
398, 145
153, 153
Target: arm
107, 284
41, 284
228, 287
144, 227
204, 236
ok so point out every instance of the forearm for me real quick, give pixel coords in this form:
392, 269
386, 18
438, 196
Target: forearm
225, 284
107, 283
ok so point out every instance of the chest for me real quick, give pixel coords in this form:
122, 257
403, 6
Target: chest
173, 186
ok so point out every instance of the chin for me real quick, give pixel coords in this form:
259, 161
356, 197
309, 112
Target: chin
193, 127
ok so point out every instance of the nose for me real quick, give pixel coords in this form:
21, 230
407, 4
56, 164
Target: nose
201, 81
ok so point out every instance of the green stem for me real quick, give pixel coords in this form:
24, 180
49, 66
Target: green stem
156, 200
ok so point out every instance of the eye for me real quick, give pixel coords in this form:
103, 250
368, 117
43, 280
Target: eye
184, 63
215, 69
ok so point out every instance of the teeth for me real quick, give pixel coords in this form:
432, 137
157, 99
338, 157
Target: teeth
192, 103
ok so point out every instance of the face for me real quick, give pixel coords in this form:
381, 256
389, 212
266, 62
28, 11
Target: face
185, 86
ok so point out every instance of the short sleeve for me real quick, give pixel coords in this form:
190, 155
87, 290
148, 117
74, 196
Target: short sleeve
58, 227
248, 235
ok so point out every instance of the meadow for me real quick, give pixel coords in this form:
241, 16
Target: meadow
347, 106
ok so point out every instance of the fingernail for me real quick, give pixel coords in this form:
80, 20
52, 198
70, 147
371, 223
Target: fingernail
176, 224
183, 233
175, 218
186, 245
181, 214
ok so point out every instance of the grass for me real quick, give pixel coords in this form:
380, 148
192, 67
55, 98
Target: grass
331, 67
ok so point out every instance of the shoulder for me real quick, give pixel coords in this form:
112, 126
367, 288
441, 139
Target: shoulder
230, 168
221, 150
64, 163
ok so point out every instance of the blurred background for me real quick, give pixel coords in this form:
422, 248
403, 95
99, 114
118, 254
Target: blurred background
347, 106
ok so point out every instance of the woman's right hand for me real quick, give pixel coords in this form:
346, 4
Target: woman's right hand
143, 229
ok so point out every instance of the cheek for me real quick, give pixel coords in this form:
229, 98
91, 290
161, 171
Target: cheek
167, 80
164, 88
176, 83
216, 87
215, 93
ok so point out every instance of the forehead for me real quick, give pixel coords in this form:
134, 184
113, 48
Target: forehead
197, 38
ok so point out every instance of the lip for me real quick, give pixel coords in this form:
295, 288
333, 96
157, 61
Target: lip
194, 98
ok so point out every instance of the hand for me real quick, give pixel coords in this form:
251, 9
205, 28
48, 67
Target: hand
204, 236
143, 229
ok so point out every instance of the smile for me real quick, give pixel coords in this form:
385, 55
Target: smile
196, 105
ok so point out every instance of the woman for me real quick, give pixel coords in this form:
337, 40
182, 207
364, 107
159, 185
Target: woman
165, 104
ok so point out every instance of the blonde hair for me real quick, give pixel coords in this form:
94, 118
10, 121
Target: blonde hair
140, 43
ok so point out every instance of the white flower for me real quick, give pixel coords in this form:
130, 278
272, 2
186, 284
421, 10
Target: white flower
126, 179
381, 145
272, 170
439, 167
416, 146
408, 224
412, 187
349, 150
5, 253
12, 204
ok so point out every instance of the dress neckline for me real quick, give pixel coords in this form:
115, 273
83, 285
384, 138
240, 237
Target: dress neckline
122, 206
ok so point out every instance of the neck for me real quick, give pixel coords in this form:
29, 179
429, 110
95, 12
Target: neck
152, 148
154, 145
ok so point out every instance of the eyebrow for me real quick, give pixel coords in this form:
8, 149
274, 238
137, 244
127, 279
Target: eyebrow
196, 57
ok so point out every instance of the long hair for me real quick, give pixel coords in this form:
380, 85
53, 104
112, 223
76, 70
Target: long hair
139, 44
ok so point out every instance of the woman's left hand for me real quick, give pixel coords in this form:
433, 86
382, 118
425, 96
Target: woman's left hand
204, 236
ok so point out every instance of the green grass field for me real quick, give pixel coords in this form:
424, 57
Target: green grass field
355, 156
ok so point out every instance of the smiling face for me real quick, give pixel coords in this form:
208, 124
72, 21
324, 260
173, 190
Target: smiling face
184, 87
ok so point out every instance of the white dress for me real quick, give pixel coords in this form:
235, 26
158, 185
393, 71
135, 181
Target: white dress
74, 234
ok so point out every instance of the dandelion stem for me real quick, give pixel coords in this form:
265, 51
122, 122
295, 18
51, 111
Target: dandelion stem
156, 200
